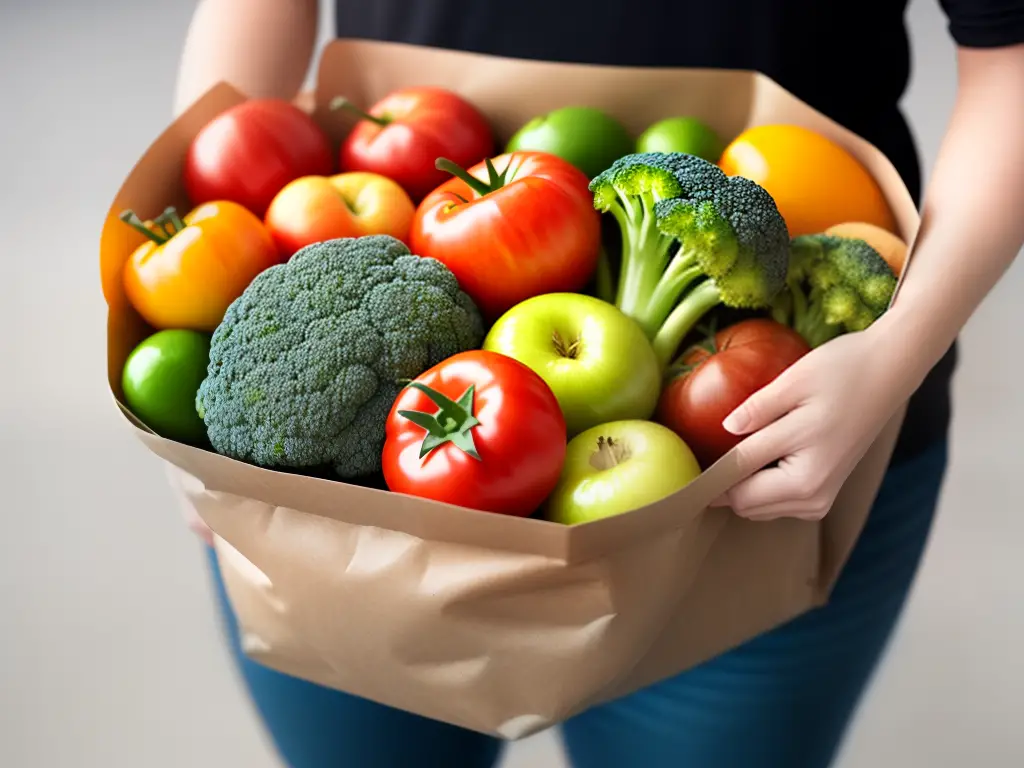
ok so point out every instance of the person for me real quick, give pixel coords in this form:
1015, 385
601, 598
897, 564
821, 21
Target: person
786, 698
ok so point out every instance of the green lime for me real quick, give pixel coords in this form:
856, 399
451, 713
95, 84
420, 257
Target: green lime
586, 137
160, 380
682, 134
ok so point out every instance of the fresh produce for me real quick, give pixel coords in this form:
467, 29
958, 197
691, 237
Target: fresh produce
403, 134
889, 246
815, 182
510, 228
308, 361
594, 358
681, 134
317, 208
191, 268
714, 378
618, 467
479, 430
160, 380
692, 239
586, 137
835, 285
250, 151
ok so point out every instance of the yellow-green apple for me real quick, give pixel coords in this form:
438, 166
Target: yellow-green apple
596, 360
618, 467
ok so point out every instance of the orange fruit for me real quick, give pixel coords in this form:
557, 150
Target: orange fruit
889, 246
815, 182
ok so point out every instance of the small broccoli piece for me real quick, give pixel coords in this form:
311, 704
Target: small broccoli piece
835, 285
308, 361
692, 238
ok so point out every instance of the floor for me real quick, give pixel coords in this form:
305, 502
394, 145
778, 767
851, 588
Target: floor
109, 651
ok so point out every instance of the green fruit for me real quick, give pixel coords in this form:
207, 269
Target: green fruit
586, 137
682, 134
160, 380
596, 360
618, 467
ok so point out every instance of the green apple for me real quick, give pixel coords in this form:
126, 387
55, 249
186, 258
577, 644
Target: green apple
588, 138
682, 134
618, 467
596, 360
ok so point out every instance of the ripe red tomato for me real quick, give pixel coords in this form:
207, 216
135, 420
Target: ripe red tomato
718, 377
490, 435
511, 228
248, 153
403, 135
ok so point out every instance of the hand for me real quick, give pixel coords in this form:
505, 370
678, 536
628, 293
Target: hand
817, 420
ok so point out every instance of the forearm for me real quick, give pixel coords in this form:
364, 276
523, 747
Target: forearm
973, 216
262, 47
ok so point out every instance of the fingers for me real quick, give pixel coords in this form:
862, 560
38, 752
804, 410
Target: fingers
768, 404
788, 490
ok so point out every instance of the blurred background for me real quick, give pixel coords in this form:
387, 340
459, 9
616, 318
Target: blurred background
110, 651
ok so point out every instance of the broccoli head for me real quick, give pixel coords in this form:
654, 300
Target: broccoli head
308, 361
692, 238
835, 285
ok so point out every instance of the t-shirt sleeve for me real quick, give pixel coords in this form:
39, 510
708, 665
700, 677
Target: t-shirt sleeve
985, 23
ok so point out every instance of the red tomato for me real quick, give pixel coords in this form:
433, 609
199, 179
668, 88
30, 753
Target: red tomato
403, 134
516, 227
718, 377
496, 440
248, 153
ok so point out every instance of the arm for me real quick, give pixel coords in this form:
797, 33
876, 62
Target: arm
820, 416
262, 47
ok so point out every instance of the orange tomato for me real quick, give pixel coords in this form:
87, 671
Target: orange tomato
317, 208
889, 246
192, 268
815, 182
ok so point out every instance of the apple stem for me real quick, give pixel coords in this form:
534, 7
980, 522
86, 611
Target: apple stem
571, 350
609, 453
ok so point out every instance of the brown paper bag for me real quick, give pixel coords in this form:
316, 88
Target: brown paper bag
502, 625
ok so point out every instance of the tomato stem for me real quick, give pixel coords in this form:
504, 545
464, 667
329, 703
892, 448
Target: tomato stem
340, 102
450, 424
130, 218
480, 187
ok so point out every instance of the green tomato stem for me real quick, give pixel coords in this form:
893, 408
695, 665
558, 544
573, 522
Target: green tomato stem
496, 180
130, 218
340, 102
450, 424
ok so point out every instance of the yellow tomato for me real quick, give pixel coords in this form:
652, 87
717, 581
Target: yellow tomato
190, 269
815, 182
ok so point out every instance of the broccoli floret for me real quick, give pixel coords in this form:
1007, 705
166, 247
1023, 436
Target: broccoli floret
835, 285
692, 238
308, 361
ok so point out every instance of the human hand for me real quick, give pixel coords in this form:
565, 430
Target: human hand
817, 420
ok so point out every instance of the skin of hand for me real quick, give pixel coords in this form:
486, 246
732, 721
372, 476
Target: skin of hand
820, 416
261, 47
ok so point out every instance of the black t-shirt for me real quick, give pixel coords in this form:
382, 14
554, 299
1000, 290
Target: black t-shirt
850, 59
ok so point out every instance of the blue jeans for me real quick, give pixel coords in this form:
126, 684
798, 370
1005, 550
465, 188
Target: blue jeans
782, 700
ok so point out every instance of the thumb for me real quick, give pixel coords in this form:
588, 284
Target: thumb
765, 406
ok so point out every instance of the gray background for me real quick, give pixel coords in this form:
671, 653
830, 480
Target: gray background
110, 653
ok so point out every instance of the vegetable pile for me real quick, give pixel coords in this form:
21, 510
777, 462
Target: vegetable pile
553, 326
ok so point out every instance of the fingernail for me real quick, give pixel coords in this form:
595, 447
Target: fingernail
736, 421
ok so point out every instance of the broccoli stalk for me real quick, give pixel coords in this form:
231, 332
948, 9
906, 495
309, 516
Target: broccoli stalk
835, 285
692, 238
